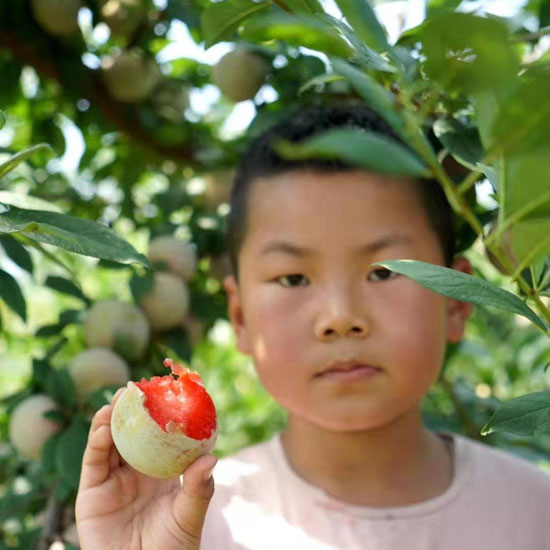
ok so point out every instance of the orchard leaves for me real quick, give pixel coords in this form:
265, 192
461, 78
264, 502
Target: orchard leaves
527, 415
11, 294
73, 234
360, 148
34, 227
362, 18
461, 286
18, 158
220, 20
466, 53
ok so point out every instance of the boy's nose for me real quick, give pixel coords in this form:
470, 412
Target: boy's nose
341, 317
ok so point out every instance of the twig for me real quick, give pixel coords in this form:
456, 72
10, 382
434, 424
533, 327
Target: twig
52, 521
531, 36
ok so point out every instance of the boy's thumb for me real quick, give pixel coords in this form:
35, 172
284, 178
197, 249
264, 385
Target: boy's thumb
194, 496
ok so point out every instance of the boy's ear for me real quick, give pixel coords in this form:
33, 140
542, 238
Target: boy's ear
235, 311
457, 311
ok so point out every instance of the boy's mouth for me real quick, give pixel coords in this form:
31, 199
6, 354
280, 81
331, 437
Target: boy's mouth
348, 370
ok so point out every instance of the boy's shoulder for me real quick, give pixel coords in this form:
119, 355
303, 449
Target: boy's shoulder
497, 469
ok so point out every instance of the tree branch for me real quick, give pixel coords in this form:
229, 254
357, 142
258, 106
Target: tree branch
52, 521
120, 115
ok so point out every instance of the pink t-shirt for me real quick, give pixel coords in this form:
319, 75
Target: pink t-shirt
496, 501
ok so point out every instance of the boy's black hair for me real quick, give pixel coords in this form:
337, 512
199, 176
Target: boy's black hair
260, 160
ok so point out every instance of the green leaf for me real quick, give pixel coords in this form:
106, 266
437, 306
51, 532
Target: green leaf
296, 30
141, 285
16, 252
28, 201
73, 234
467, 53
360, 148
178, 341
61, 387
362, 18
108, 264
526, 415
461, 286
101, 396
368, 57
221, 20
461, 140
12, 295
437, 6
63, 491
318, 80
66, 287
56, 416
544, 13
70, 450
18, 158
17, 505
41, 372
525, 196
376, 96
2, 119
303, 6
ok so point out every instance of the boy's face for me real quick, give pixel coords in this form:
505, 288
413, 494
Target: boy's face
297, 314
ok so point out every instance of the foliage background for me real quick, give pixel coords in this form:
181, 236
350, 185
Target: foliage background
144, 172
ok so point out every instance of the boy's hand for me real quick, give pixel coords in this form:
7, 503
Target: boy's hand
117, 508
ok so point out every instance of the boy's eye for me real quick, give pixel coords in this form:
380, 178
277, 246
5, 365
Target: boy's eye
291, 280
382, 274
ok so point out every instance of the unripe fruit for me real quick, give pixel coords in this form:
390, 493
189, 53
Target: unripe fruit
179, 256
123, 16
161, 426
94, 368
129, 76
117, 325
29, 430
167, 303
239, 74
57, 17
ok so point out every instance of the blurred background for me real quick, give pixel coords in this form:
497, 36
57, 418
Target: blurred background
147, 114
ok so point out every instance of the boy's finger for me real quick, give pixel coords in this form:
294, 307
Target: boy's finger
95, 463
194, 496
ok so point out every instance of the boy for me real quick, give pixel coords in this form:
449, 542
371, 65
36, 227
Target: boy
349, 349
